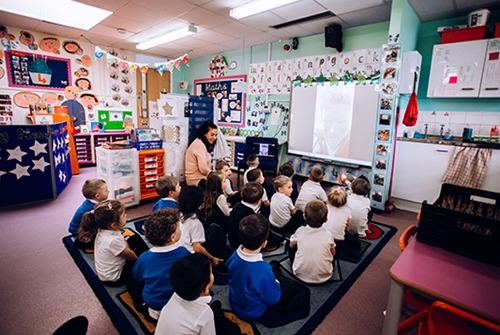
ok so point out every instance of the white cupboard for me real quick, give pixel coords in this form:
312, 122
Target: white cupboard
490, 83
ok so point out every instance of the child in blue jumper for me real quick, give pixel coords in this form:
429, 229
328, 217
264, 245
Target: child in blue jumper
257, 290
168, 190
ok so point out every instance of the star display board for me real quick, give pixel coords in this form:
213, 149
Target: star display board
34, 162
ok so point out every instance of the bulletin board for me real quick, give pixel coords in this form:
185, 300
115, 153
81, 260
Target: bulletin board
18, 73
230, 100
113, 120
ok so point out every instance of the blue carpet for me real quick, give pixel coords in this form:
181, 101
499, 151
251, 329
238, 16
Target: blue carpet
323, 297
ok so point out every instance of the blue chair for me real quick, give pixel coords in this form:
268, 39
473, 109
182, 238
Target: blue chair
266, 148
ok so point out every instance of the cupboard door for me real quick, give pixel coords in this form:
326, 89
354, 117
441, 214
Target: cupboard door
490, 83
419, 169
456, 69
491, 180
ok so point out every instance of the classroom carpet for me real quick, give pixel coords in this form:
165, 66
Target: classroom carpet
324, 297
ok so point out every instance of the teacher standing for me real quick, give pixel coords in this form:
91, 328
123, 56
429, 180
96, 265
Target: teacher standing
198, 155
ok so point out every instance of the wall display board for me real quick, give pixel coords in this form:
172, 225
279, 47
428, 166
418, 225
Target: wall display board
228, 95
28, 70
113, 119
387, 102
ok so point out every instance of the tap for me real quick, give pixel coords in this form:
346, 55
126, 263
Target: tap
441, 131
425, 129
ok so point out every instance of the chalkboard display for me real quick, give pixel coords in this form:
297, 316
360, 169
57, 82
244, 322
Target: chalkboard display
37, 71
228, 95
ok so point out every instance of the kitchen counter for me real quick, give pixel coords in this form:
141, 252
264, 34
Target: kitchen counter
457, 141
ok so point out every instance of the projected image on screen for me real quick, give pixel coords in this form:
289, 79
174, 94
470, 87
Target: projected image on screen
332, 121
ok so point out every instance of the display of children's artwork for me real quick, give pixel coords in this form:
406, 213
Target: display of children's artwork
36, 71
228, 95
113, 119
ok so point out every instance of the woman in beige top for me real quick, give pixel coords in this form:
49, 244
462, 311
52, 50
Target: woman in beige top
198, 155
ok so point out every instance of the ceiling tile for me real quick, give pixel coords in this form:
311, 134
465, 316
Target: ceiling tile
223, 7
342, 6
110, 32
213, 36
101, 39
192, 42
262, 21
157, 30
299, 9
120, 22
205, 18
111, 5
171, 7
366, 16
318, 26
18, 21
235, 29
198, 2
141, 14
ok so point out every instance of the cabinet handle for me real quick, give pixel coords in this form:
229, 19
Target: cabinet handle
441, 150
491, 89
468, 89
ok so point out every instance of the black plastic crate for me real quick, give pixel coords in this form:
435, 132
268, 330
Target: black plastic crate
465, 221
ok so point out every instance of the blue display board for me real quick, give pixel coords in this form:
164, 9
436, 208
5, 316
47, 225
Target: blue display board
228, 95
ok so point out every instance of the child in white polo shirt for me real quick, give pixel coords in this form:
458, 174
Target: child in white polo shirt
312, 247
284, 217
312, 188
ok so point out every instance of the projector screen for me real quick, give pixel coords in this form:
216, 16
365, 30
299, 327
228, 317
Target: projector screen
335, 123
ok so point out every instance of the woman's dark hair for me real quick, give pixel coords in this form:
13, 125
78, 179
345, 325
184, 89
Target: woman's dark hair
203, 130
190, 276
190, 199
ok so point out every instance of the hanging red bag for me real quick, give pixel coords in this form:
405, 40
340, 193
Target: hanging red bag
411, 114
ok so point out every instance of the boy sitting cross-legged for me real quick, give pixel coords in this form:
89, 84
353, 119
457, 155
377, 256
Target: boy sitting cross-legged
258, 290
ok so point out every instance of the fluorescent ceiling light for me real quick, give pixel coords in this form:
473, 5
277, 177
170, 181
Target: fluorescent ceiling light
64, 12
187, 30
258, 6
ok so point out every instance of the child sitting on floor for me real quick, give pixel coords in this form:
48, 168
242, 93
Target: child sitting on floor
188, 311
150, 282
168, 190
94, 191
287, 170
360, 206
211, 240
256, 175
256, 289
312, 248
253, 163
284, 217
339, 215
215, 206
311, 189
113, 256
233, 197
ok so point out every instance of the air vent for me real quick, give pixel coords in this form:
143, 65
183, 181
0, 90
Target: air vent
314, 17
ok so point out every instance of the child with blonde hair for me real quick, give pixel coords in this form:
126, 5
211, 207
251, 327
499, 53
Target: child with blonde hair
339, 214
284, 216
312, 188
360, 206
168, 190
94, 191
113, 256
288, 170
215, 206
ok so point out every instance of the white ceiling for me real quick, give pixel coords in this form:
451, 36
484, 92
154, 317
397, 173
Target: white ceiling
218, 32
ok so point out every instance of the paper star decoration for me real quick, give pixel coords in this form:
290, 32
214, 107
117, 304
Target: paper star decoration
62, 176
16, 154
168, 109
40, 164
361, 79
321, 79
57, 159
334, 80
308, 80
2, 173
38, 148
20, 171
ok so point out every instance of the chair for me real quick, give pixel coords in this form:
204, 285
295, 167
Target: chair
447, 319
266, 148
420, 303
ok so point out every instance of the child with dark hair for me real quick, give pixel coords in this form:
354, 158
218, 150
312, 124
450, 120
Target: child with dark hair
232, 196
288, 170
215, 206
360, 206
113, 256
312, 248
211, 240
168, 190
251, 196
312, 188
253, 163
256, 289
150, 285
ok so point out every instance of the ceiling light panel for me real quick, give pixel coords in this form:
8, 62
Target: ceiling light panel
168, 37
258, 6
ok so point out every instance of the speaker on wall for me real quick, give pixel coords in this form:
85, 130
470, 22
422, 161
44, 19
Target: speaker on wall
295, 43
333, 37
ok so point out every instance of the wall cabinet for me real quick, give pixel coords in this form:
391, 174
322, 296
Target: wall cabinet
419, 169
456, 69
490, 83
85, 144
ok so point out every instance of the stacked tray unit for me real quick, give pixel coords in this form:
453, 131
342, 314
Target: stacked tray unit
151, 167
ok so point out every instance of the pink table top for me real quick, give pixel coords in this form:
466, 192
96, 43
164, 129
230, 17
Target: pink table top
458, 280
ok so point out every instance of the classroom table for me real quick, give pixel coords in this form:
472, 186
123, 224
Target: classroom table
460, 281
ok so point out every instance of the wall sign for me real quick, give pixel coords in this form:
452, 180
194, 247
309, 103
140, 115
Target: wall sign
228, 95
28, 70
